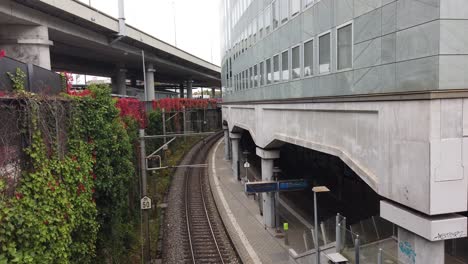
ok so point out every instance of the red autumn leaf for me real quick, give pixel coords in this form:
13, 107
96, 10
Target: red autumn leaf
2, 53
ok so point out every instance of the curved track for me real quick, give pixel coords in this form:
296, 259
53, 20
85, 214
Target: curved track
206, 237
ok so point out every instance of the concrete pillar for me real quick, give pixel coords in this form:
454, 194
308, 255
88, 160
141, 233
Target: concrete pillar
150, 81
268, 157
235, 138
213, 92
120, 80
413, 249
189, 89
133, 82
421, 237
181, 88
226, 142
28, 44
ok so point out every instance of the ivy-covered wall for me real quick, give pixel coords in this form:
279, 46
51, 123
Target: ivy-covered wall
70, 203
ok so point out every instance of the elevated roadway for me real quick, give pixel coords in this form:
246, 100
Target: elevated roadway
67, 35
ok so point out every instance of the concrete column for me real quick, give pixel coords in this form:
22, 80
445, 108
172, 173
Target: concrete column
28, 44
181, 88
120, 81
421, 237
189, 89
235, 138
268, 157
413, 249
226, 142
150, 81
213, 92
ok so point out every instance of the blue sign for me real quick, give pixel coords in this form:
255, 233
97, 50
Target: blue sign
281, 186
261, 187
293, 185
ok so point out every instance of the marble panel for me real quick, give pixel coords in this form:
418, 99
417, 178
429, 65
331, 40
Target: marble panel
389, 18
367, 53
418, 75
364, 6
453, 9
454, 37
453, 72
389, 48
368, 26
415, 12
417, 42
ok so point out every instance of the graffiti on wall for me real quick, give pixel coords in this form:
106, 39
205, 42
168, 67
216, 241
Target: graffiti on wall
407, 249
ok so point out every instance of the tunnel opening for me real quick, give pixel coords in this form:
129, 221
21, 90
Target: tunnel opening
349, 195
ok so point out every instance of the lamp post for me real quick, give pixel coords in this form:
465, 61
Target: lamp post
317, 189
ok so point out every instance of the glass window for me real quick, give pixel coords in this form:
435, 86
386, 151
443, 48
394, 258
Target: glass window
241, 81
324, 53
256, 75
254, 28
267, 20
296, 62
260, 26
308, 58
251, 78
308, 3
246, 79
268, 71
262, 76
295, 7
275, 14
276, 68
345, 47
285, 65
284, 10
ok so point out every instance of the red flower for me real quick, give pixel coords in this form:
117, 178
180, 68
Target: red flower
2, 53
74, 158
46, 222
18, 196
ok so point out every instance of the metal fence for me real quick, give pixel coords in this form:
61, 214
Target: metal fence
38, 80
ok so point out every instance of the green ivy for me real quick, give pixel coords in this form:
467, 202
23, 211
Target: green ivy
51, 217
18, 80
114, 169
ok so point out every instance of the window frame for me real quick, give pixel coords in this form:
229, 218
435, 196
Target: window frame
261, 72
273, 28
352, 45
304, 7
288, 15
268, 82
314, 58
281, 65
318, 52
300, 62
273, 68
291, 16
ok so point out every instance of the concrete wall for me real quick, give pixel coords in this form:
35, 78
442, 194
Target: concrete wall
411, 152
399, 46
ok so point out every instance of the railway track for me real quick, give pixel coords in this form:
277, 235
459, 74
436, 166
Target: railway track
207, 241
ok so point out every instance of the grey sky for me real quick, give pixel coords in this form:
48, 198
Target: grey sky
197, 22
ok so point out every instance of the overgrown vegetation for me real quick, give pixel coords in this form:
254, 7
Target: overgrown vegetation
17, 79
69, 188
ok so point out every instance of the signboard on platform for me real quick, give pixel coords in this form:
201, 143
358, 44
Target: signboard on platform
272, 186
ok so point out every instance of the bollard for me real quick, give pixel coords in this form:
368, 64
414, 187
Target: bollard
338, 238
356, 249
379, 256
286, 228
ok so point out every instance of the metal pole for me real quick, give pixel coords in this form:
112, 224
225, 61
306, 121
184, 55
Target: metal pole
356, 249
144, 74
185, 121
317, 248
164, 123
379, 256
144, 193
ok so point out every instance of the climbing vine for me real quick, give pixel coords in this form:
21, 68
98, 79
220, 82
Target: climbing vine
18, 80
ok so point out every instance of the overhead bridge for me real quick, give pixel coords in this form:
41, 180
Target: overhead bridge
68, 35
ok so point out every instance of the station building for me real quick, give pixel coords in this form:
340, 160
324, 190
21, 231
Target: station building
375, 89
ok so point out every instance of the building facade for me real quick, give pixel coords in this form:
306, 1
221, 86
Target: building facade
381, 84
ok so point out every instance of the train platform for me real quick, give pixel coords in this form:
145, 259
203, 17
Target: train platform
241, 216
